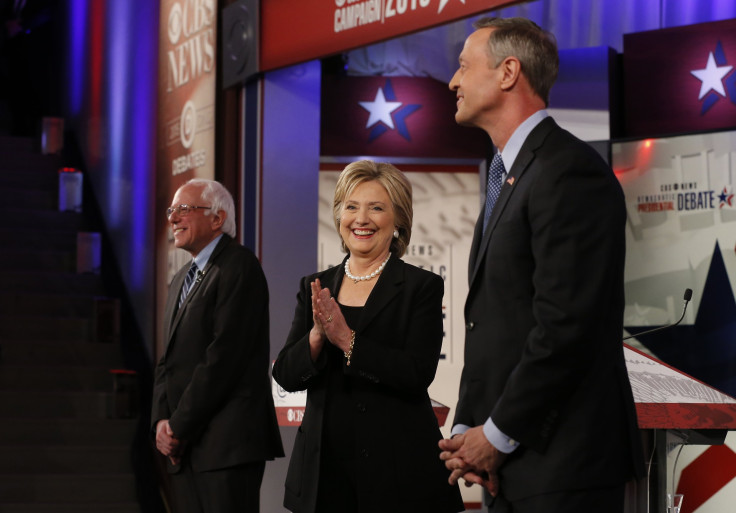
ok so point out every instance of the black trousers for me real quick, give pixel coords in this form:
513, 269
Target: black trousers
230, 490
596, 500
337, 488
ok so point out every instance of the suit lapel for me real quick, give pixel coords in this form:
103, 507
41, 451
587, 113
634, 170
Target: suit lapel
170, 311
388, 285
335, 281
521, 164
202, 276
475, 244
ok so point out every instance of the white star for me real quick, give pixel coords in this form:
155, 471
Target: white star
712, 77
443, 3
380, 110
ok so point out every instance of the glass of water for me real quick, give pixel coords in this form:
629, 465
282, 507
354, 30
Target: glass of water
674, 502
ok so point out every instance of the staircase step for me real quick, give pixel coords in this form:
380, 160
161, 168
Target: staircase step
57, 459
75, 489
30, 198
19, 144
55, 377
18, 303
43, 180
50, 404
46, 259
53, 283
32, 328
59, 352
97, 432
30, 163
25, 238
119, 507
26, 218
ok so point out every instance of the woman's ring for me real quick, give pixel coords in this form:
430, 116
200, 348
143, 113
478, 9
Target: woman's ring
329, 319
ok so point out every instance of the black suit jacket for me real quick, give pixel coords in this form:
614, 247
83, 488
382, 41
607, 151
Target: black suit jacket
212, 381
544, 321
397, 347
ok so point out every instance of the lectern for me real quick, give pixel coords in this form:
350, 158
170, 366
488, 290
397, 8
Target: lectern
672, 409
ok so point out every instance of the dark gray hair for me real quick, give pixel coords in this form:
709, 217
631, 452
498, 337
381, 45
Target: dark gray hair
535, 48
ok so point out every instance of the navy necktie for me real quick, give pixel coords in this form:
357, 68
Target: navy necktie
493, 189
188, 280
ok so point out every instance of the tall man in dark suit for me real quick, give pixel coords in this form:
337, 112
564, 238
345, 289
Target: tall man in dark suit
213, 414
545, 419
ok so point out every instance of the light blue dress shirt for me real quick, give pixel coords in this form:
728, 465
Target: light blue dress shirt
204, 256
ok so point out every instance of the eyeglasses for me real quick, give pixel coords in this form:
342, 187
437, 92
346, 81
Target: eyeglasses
183, 210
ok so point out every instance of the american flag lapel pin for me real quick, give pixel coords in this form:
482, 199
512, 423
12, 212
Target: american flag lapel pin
510, 180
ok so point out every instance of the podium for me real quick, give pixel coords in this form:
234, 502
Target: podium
673, 409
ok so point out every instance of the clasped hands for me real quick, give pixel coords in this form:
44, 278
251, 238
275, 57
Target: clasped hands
472, 457
329, 322
167, 444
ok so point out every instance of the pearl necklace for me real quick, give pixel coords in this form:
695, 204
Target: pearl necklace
367, 277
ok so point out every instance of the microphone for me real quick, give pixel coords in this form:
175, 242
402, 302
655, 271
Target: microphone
686, 297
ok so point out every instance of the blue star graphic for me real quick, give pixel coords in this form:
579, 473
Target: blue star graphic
731, 87
704, 350
725, 198
399, 116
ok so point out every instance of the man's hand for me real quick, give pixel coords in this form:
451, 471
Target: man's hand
454, 463
166, 443
472, 457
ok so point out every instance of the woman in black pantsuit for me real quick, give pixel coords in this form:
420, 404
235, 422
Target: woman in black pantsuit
364, 343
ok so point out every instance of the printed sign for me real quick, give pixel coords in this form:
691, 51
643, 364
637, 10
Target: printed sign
295, 31
186, 117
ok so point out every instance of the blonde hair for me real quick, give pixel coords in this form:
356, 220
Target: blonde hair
397, 187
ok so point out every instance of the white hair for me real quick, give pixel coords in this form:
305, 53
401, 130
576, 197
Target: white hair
218, 198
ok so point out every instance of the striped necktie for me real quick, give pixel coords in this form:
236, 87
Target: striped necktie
493, 189
188, 280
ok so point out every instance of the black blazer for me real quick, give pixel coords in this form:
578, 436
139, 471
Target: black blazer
212, 381
397, 347
544, 321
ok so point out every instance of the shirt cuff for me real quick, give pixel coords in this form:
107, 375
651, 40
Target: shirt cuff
497, 438
458, 429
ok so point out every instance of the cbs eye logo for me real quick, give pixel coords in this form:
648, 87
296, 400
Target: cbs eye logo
188, 124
